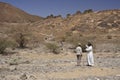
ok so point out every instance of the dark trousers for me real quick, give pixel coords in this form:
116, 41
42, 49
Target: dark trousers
79, 59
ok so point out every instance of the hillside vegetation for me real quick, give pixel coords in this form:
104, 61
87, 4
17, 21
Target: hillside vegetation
28, 41
102, 28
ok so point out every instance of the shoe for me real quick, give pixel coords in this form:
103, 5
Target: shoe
87, 65
90, 65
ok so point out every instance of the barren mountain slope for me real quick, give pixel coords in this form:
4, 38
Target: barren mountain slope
101, 27
11, 14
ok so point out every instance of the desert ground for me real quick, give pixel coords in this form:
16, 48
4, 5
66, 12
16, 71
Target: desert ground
26, 65
34, 33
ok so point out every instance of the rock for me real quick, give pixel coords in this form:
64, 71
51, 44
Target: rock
23, 77
12, 68
32, 77
118, 75
97, 78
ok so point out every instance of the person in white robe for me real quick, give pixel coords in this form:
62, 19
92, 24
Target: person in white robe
90, 58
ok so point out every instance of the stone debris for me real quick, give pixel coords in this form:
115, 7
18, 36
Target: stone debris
43, 69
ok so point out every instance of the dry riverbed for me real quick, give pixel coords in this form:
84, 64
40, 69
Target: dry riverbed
42, 66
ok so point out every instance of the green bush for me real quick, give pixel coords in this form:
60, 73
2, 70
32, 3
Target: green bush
3, 45
53, 47
6, 43
88, 11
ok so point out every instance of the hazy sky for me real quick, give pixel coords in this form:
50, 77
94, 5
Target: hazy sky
62, 7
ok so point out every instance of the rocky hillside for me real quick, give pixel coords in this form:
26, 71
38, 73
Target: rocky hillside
55, 34
107, 19
102, 27
96, 20
84, 23
11, 14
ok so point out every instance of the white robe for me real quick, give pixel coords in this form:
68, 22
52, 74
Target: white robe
90, 57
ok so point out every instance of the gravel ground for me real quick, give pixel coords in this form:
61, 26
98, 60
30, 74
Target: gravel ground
29, 66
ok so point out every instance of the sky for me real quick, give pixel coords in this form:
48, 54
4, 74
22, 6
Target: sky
45, 8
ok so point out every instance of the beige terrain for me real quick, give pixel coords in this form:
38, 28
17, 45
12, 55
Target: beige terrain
49, 43
59, 67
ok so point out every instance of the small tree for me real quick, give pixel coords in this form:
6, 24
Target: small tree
88, 11
50, 16
78, 12
21, 34
53, 47
22, 40
68, 15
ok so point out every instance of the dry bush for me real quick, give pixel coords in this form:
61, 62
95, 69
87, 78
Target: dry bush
4, 43
54, 48
21, 35
22, 40
88, 11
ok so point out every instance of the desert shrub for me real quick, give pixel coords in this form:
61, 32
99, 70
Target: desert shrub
21, 40
3, 45
21, 35
69, 33
88, 11
54, 48
78, 12
68, 15
50, 16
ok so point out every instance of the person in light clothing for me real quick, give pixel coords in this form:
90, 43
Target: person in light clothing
90, 58
78, 54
